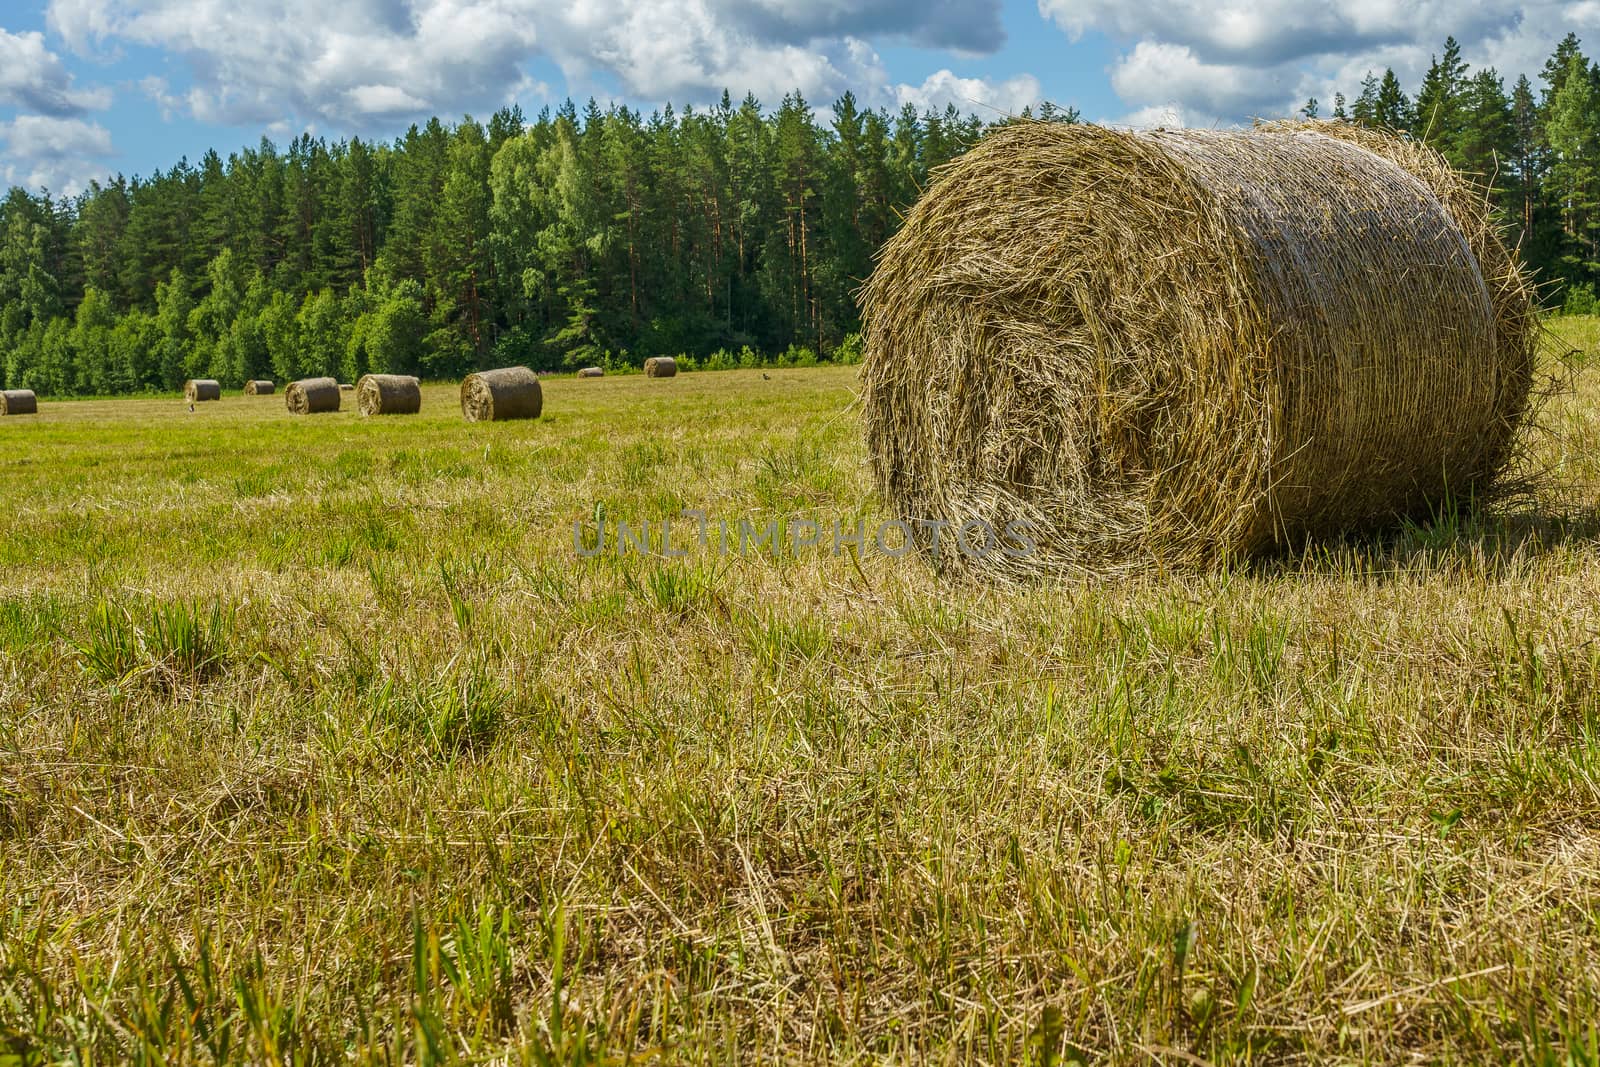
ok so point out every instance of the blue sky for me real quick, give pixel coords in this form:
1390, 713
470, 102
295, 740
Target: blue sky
93, 87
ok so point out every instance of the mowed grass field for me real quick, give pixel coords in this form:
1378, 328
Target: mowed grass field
320, 742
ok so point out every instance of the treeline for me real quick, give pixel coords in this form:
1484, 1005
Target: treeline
608, 236
578, 238
1538, 145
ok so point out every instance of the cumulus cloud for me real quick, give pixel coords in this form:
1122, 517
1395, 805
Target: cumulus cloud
1237, 59
962, 25
46, 152
987, 98
356, 62
1173, 76
34, 78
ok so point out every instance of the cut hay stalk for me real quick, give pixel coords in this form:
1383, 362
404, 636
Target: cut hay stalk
18, 402
388, 394
312, 396
660, 367
259, 388
196, 390
507, 393
591, 372
1173, 347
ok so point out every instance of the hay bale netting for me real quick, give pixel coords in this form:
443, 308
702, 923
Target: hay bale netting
312, 396
507, 393
198, 389
660, 367
18, 402
1177, 346
591, 372
388, 394
259, 388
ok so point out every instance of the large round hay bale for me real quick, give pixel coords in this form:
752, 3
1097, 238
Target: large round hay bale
197, 389
312, 396
591, 372
660, 367
507, 393
388, 394
18, 402
1174, 347
259, 388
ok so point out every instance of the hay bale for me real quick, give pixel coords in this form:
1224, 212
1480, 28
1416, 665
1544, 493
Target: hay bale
1174, 347
312, 396
388, 394
259, 388
18, 402
346, 387
196, 390
591, 372
507, 393
660, 367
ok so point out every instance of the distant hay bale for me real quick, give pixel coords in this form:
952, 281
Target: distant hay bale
507, 393
660, 367
1173, 347
259, 388
18, 402
591, 372
312, 396
196, 390
346, 387
388, 394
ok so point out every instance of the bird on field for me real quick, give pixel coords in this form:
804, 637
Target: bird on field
766, 377
191, 407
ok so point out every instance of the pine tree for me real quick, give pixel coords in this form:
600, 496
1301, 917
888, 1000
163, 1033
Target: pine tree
1393, 111
1441, 100
1570, 128
1365, 112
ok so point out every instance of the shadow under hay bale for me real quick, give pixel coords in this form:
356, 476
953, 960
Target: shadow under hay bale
1172, 347
18, 402
196, 390
660, 367
388, 394
591, 372
507, 393
312, 396
259, 388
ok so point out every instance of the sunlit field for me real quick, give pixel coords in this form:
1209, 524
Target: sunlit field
321, 740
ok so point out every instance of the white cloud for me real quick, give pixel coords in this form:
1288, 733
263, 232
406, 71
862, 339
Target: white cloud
1170, 116
1269, 32
1237, 59
1172, 76
987, 98
356, 62
59, 154
33, 77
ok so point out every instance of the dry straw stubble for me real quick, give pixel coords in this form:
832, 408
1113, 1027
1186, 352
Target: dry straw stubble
1171, 347
506, 393
388, 394
18, 402
312, 396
